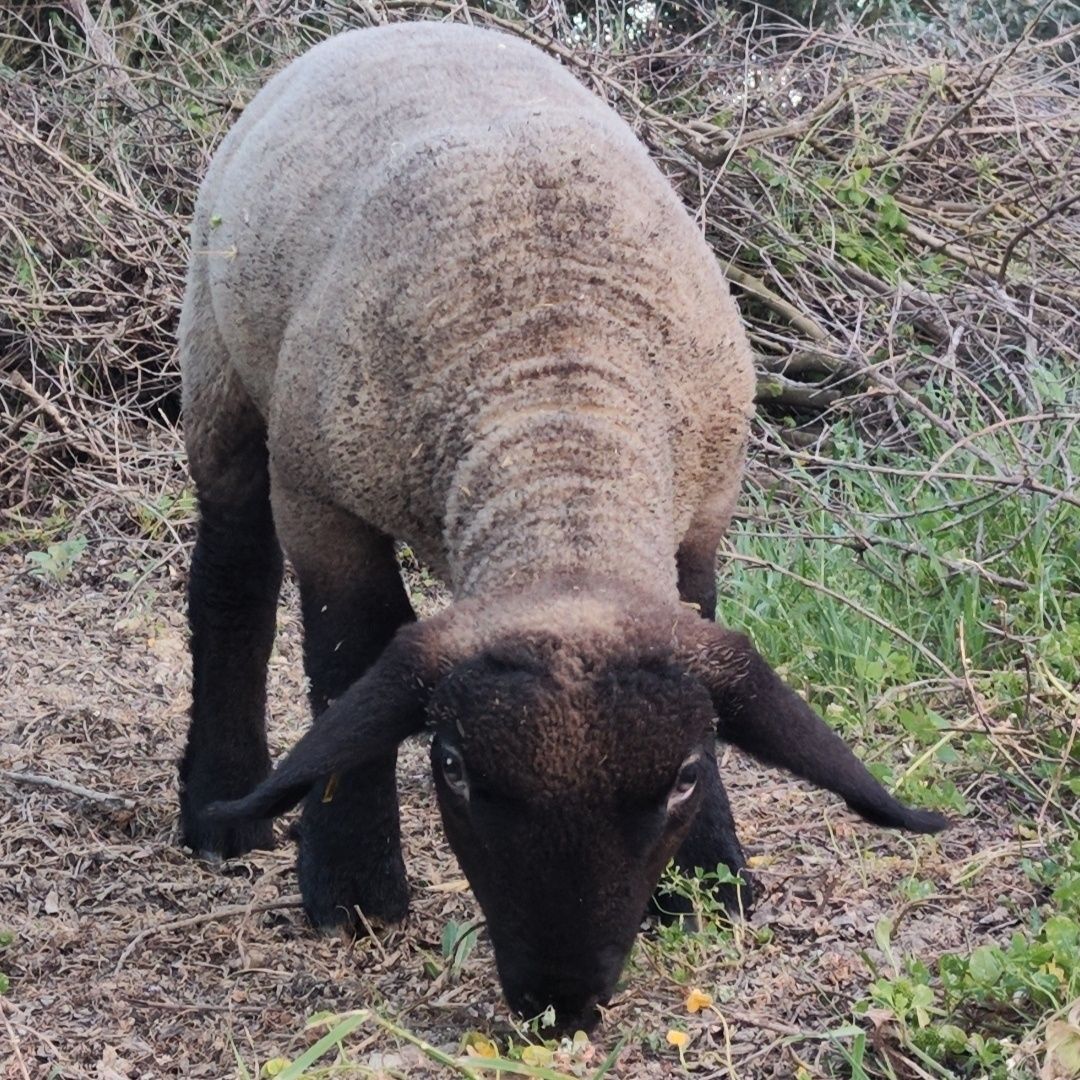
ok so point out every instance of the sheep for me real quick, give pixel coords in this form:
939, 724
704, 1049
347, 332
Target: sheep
440, 293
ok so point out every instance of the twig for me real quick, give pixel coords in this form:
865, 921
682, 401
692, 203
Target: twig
292, 901
757, 288
31, 779
775, 389
27, 389
14, 1041
966, 106
196, 1007
756, 1020
371, 931
1028, 229
803, 360
101, 46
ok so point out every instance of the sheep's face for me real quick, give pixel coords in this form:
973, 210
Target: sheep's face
565, 789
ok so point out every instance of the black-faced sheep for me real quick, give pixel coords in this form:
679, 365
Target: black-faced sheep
439, 292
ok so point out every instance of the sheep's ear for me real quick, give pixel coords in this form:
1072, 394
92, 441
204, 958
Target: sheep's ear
370, 720
758, 713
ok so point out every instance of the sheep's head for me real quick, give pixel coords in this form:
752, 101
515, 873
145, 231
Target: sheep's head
566, 781
566, 757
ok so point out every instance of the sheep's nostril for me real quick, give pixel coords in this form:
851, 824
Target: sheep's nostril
529, 1004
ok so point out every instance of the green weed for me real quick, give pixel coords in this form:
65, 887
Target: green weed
572, 1058
57, 561
7, 939
161, 515
965, 1013
458, 942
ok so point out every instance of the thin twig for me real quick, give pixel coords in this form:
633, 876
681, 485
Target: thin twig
31, 779
20, 1061
292, 901
1031, 227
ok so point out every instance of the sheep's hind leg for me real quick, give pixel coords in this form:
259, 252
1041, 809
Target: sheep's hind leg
232, 602
696, 559
353, 601
712, 842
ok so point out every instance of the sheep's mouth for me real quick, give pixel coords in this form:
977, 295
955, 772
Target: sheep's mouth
560, 1015
565, 1000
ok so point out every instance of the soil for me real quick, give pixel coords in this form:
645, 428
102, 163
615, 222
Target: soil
132, 959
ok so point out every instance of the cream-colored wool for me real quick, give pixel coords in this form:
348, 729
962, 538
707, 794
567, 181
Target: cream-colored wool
472, 314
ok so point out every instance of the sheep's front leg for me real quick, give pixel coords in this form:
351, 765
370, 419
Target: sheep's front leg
353, 601
711, 842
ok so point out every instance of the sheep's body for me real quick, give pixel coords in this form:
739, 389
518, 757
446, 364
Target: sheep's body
471, 311
440, 293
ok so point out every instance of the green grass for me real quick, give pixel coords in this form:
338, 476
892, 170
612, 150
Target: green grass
478, 1056
896, 598
933, 615
7, 939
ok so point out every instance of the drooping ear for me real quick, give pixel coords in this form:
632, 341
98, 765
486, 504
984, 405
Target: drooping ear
758, 713
376, 713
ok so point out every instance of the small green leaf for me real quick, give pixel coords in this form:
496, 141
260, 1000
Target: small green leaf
985, 965
882, 938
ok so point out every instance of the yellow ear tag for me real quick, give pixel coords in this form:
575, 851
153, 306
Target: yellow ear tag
331, 787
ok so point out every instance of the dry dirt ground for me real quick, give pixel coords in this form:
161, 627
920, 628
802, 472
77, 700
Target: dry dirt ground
131, 959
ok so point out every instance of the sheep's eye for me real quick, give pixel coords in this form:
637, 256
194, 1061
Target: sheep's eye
453, 770
685, 782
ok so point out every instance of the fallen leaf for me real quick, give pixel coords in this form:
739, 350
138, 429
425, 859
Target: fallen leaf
1062, 1060
457, 885
537, 1055
480, 1045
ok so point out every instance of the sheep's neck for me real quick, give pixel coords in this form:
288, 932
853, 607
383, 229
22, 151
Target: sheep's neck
568, 473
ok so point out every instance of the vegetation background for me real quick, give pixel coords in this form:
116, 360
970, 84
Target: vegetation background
892, 189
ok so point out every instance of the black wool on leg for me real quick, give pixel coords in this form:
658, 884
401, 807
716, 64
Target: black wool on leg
350, 837
232, 608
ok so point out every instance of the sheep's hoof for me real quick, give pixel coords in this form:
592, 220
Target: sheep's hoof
220, 840
335, 892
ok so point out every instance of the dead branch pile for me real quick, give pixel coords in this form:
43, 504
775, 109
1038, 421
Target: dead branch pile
894, 213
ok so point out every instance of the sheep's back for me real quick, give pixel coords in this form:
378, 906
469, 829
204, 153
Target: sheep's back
308, 150
413, 219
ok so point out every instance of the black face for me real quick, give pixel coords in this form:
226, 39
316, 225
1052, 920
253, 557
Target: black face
564, 792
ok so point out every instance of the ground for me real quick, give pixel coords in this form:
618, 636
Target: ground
132, 959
